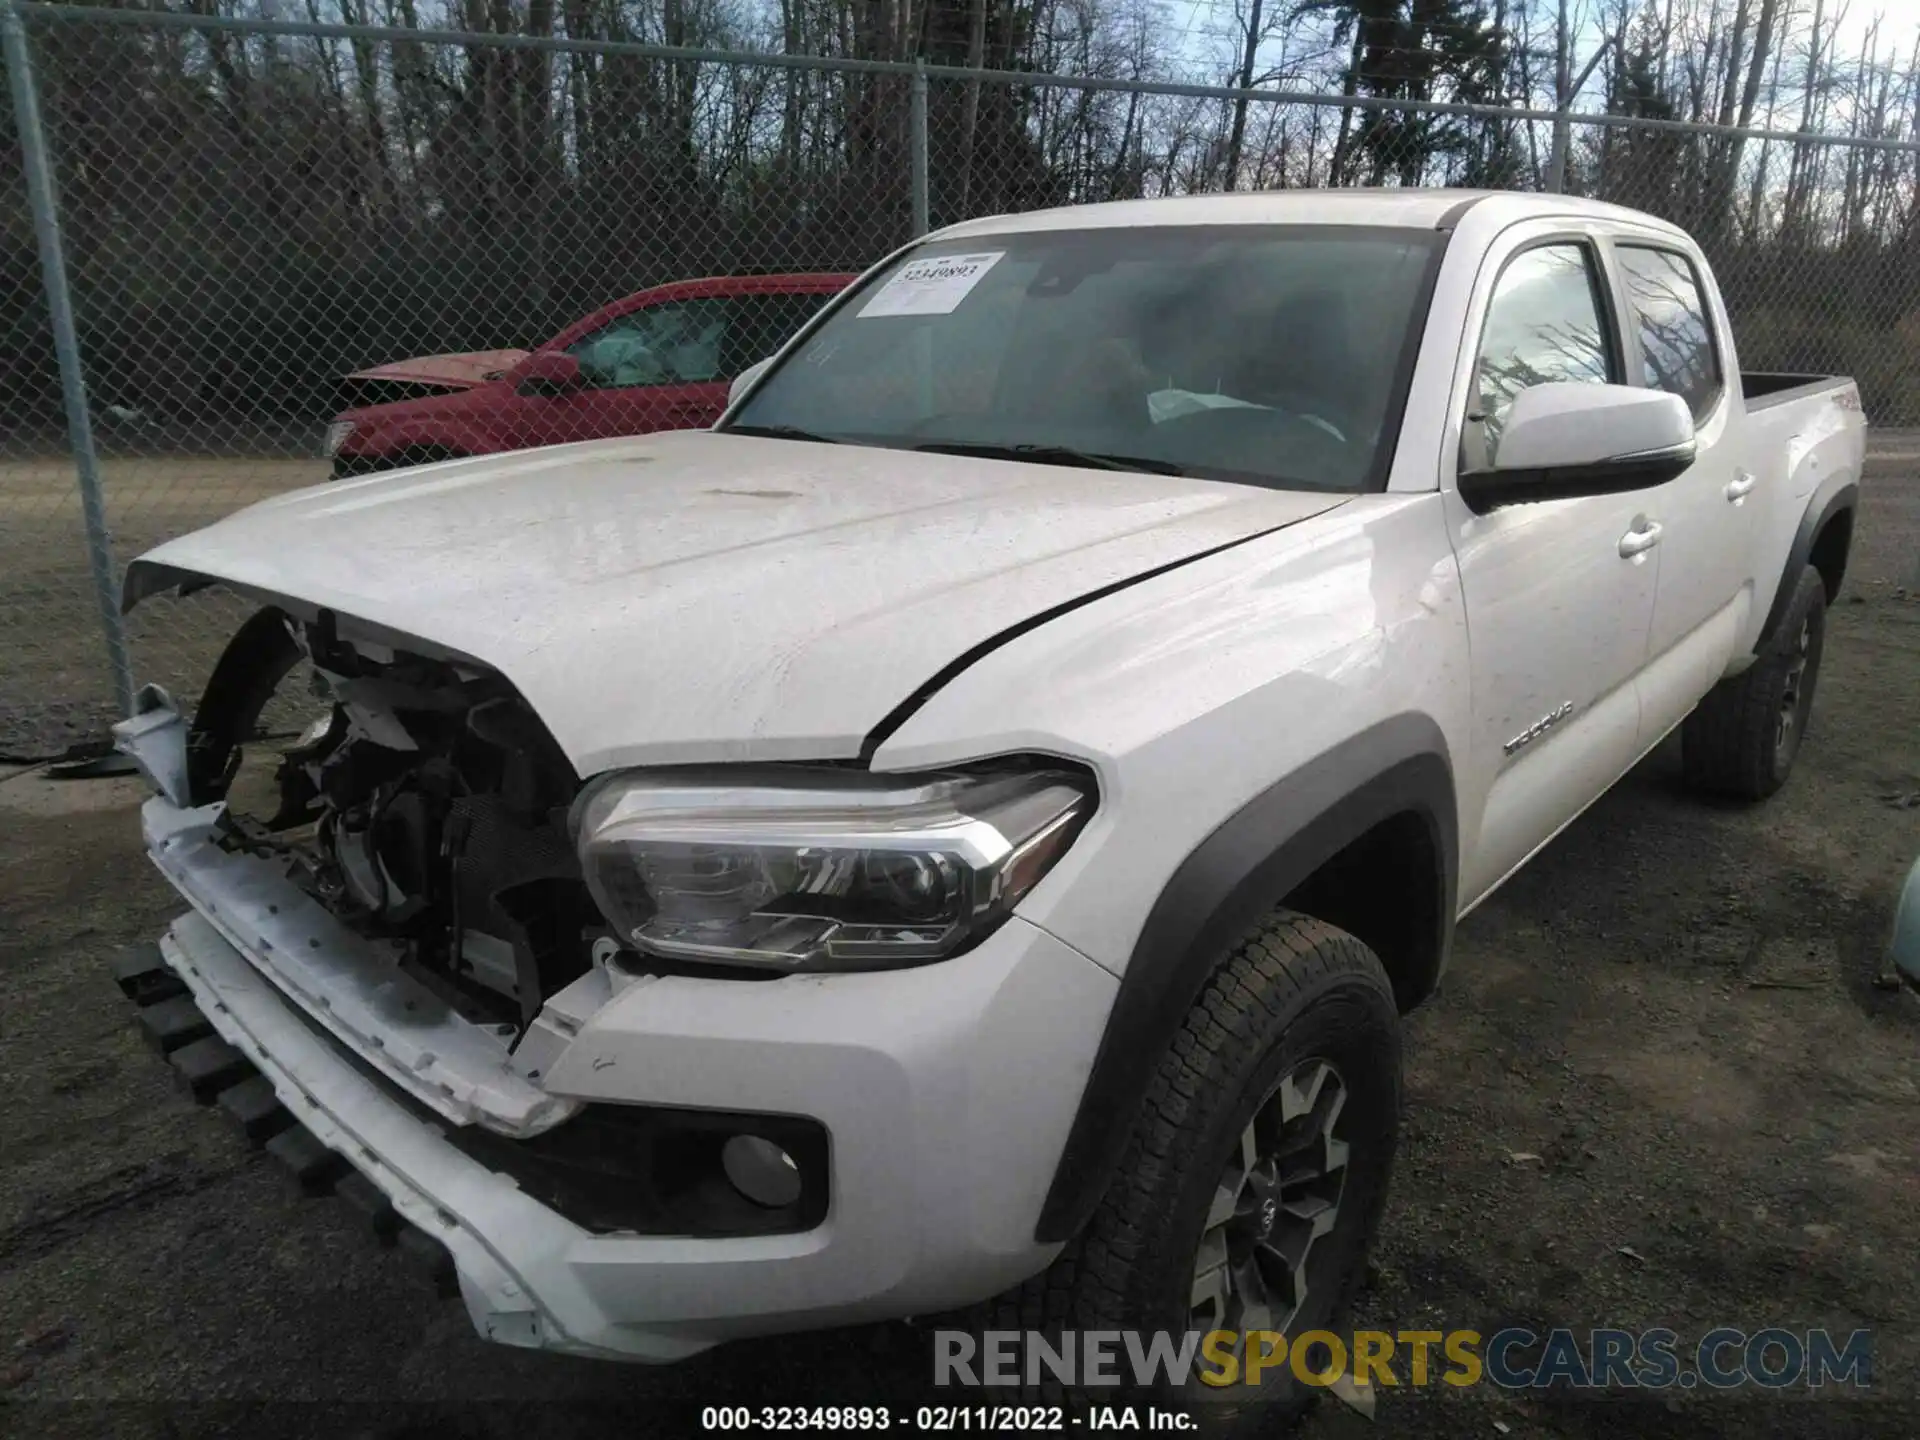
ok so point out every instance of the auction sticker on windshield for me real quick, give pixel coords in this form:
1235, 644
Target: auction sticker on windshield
930, 287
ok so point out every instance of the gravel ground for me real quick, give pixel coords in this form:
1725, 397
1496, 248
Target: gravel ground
1673, 1012
55, 686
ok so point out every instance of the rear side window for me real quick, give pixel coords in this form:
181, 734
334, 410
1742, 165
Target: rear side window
1545, 323
1670, 324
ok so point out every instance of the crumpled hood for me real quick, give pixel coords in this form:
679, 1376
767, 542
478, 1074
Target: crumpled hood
462, 372
698, 596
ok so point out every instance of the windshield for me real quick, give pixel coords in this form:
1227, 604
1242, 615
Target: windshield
1276, 356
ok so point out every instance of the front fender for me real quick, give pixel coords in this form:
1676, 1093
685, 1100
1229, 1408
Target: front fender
1240, 873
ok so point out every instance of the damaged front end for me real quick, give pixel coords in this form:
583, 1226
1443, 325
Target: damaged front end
403, 867
661, 1056
657, 1003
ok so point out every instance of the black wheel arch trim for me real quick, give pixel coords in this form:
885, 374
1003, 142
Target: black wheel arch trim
1236, 876
1800, 553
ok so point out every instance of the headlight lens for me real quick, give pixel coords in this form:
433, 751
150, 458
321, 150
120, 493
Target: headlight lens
820, 869
337, 434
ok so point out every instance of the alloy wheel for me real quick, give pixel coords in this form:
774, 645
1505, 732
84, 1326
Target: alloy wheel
1278, 1195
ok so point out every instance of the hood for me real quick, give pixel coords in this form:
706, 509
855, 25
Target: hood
461, 372
697, 596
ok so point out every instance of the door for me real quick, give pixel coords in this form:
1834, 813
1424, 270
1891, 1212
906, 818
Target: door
1707, 513
1559, 594
654, 368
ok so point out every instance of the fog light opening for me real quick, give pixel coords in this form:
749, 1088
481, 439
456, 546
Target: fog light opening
761, 1171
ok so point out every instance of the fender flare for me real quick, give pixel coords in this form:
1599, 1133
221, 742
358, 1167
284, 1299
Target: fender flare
1237, 875
1843, 499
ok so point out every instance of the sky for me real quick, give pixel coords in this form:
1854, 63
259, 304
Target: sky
1899, 22
1204, 26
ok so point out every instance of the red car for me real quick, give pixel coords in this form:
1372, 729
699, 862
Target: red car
657, 360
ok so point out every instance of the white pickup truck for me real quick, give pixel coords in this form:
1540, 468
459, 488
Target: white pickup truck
969, 825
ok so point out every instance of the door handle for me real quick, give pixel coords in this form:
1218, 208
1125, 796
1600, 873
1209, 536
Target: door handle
1642, 538
1742, 482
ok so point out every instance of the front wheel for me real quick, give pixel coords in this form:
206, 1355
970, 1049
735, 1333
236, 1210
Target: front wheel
1255, 1174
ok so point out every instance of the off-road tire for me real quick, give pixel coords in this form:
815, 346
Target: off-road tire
1292, 991
1741, 741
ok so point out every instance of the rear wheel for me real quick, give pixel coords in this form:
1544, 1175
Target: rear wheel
1255, 1173
1742, 740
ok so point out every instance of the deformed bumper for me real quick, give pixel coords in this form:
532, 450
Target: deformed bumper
946, 1093
346, 984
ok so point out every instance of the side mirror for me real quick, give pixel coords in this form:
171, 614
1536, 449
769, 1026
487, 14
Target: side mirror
547, 372
744, 380
1566, 439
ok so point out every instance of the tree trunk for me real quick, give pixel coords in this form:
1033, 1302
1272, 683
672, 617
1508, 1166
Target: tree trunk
791, 109
1800, 176
1243, 80
1349, 86
1734, 146
970, 117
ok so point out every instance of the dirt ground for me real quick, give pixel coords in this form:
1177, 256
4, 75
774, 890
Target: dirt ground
56, 687
1671, 1017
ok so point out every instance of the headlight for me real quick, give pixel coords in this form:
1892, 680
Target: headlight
337, 434
820, 869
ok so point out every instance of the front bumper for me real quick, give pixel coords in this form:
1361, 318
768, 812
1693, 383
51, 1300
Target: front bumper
947, 1092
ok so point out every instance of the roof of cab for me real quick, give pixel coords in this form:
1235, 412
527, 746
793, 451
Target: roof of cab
1417, 209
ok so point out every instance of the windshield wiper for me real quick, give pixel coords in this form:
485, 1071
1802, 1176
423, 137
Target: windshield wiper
1052, 455
779, 432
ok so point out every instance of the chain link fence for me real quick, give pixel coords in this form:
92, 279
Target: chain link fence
258, 225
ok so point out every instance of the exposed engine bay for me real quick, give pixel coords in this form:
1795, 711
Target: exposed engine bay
424, 805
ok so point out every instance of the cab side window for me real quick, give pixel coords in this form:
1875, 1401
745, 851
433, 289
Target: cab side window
1546, 322
676, 343
1670, 325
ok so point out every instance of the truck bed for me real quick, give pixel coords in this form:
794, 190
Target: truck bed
1805, 439
1764, 388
